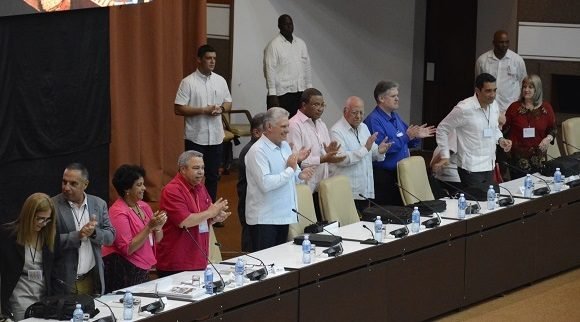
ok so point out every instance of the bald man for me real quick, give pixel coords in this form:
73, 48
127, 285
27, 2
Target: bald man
360, 149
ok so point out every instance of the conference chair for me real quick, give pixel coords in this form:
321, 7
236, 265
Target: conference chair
306, 208
234, 131
571, 135
336, 200
215, 254
412, 175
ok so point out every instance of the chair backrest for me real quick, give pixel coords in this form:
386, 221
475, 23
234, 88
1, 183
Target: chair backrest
571, 135
554, 150
336, 201
215, 254
412, 175
306, 208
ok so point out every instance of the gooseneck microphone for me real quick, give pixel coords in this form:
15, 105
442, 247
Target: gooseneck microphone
504, 202
537, 192
429, 223
471, 209
333, 250
370, 241
256, 275
218, 286
398, 233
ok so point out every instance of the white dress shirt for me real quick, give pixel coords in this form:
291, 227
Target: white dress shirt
305, 133
198, 90
271, 192
509, 73
286, 66
475, 151
358, 165
81, 217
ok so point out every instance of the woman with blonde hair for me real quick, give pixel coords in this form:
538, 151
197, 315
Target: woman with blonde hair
531, 126
27, 248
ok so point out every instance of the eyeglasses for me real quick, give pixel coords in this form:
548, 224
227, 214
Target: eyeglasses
43, 220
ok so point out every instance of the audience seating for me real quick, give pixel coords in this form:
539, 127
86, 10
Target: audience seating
412, 175
336, 200
306, 208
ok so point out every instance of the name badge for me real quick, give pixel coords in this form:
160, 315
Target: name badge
35, 275
399, 134
487, 133
529, 132
203, 227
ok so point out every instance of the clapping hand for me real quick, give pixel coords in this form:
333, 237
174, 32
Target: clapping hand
420, 131
306, 174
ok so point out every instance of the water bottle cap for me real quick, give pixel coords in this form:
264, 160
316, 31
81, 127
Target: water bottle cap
416, 208
490, 186
557, 169
78, 306
378, 217
461, 195
306, 237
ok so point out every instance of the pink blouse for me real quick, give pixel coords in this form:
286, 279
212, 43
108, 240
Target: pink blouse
127, 225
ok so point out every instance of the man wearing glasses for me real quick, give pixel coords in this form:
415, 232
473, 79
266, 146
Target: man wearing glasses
83, 226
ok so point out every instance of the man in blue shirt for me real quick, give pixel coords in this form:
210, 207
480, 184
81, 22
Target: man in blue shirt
387, 123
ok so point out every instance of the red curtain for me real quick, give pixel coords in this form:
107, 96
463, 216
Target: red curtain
153, 47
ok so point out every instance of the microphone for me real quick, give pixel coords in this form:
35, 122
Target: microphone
370, 241
429, 223
504, 202
256, 275
398, 233
537, 192
471, 209
111, 318
218, 286
333, 250
572, 146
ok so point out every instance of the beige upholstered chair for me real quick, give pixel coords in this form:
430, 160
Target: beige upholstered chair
412, 175
336, 201
306, 208
215, 254
233, 131
553, 150
571, 135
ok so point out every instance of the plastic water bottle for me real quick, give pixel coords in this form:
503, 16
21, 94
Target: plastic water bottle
461, 206
415, 220
78, 314
306, 257
379, 229
208, 280
490, 198
240, 270
557, 180
528, 186
128, 306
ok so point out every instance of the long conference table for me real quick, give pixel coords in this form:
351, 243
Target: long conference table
414, 278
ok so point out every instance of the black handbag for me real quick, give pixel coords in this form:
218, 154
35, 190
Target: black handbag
61, 307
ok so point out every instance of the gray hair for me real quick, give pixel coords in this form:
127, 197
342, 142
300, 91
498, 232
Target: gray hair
536, 82
186, 156
80, 167
274, 114
383, 87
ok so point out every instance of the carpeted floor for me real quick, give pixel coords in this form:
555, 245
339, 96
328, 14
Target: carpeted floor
554, 299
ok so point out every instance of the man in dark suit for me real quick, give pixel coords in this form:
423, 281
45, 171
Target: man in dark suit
83, 226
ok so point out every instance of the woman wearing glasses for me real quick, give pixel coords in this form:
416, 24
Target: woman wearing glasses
129, 259
27, 248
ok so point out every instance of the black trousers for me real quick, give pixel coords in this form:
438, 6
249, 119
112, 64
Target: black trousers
290, 102
212, 158
476, 183
386, 191
266, 236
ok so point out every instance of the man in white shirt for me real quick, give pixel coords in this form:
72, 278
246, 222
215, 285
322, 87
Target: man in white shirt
272, 173
506, 66
286, 67
201, 99
359, 147
308, 131
475, 120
